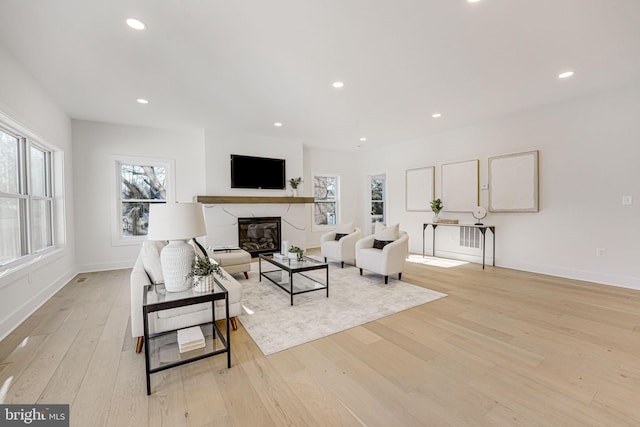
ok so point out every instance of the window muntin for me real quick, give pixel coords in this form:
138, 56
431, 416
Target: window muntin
140, 186
325, 205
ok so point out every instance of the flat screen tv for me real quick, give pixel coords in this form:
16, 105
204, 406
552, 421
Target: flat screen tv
257, 172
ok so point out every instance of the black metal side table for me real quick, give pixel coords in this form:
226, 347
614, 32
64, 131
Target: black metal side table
161, 349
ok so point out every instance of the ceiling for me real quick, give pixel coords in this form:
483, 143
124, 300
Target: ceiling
241, 65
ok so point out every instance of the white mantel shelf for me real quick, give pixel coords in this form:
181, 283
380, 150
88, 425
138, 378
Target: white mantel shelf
217, 200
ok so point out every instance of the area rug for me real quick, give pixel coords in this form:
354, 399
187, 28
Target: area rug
353, 300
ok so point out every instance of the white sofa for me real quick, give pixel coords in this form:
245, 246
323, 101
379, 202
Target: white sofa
386, 261
343, 250
177, 318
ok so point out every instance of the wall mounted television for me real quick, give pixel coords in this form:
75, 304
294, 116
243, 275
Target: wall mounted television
257, 172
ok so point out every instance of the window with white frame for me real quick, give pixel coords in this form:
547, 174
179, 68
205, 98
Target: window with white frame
26, 196
141, 184
326, 199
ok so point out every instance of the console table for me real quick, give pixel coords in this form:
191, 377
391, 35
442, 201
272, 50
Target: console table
483, 229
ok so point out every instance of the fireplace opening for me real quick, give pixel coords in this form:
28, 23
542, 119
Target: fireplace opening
259, 235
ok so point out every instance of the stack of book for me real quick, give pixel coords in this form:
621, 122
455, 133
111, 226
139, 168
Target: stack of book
190, 339
279, 256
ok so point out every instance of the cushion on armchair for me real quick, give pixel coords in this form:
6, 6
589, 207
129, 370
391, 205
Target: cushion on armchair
346, 228
340, 235
150, 254
380, 244
386, 233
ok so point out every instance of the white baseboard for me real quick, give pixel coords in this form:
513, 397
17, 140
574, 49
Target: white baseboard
115, 265
567, 273
14, 319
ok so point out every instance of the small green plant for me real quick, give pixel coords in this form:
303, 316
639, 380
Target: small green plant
436, 206
298, 251
203, 266
294, 182
295, 250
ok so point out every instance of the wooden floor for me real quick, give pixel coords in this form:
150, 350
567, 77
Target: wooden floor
504, 348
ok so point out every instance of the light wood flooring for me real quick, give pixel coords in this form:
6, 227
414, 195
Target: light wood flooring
504, 348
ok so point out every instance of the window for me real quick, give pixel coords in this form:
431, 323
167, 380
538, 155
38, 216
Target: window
325, 204
377, 200
140, 186
26, 197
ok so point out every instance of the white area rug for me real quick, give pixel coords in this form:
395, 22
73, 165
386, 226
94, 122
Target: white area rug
275, 325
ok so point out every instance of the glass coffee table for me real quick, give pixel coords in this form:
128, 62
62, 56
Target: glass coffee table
290, 274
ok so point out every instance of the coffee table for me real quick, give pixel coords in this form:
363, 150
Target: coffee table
161, 349
290, 269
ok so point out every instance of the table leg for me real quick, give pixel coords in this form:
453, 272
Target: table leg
433, 247
484, 241
327, 281
146, 349
493, 233
226, 307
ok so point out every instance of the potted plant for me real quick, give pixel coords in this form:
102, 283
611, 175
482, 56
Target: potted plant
436, 207
202, 273
294, 182
296, 252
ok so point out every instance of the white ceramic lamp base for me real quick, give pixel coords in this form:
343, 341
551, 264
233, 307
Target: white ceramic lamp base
177, 258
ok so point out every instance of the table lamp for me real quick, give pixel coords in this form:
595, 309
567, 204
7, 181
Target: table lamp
177, 223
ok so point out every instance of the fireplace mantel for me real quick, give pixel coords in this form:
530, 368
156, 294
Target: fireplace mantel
216, 200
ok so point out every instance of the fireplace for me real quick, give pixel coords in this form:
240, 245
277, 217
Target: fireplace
259, 235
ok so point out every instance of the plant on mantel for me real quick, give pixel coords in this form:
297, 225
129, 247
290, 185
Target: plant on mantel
294, 182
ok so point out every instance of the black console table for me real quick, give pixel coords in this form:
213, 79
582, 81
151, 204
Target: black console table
483, 229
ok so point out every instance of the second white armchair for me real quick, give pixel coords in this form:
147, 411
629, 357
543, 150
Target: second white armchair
340, 244
386, 256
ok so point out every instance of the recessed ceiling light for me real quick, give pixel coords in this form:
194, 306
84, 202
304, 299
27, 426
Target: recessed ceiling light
338, 85
277, 124
142, 101
473, 1
566, 74
363, 139
436, 115
135, 24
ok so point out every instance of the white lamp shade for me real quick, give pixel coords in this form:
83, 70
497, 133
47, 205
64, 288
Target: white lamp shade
175, 221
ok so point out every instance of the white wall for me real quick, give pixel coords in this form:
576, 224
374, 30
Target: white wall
25, 289
95, 145
343, 164
589, 153
221, 219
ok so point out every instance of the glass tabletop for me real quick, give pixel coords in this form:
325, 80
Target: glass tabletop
158, 294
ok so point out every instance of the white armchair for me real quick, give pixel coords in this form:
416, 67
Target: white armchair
343, 249
386, 261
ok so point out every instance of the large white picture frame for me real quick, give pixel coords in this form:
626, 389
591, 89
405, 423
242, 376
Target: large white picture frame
513, 182
460, 188
420, 188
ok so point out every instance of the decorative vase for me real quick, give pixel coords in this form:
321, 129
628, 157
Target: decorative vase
436, 218
203, 283
294, 192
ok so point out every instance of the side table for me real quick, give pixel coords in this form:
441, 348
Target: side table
161, 349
